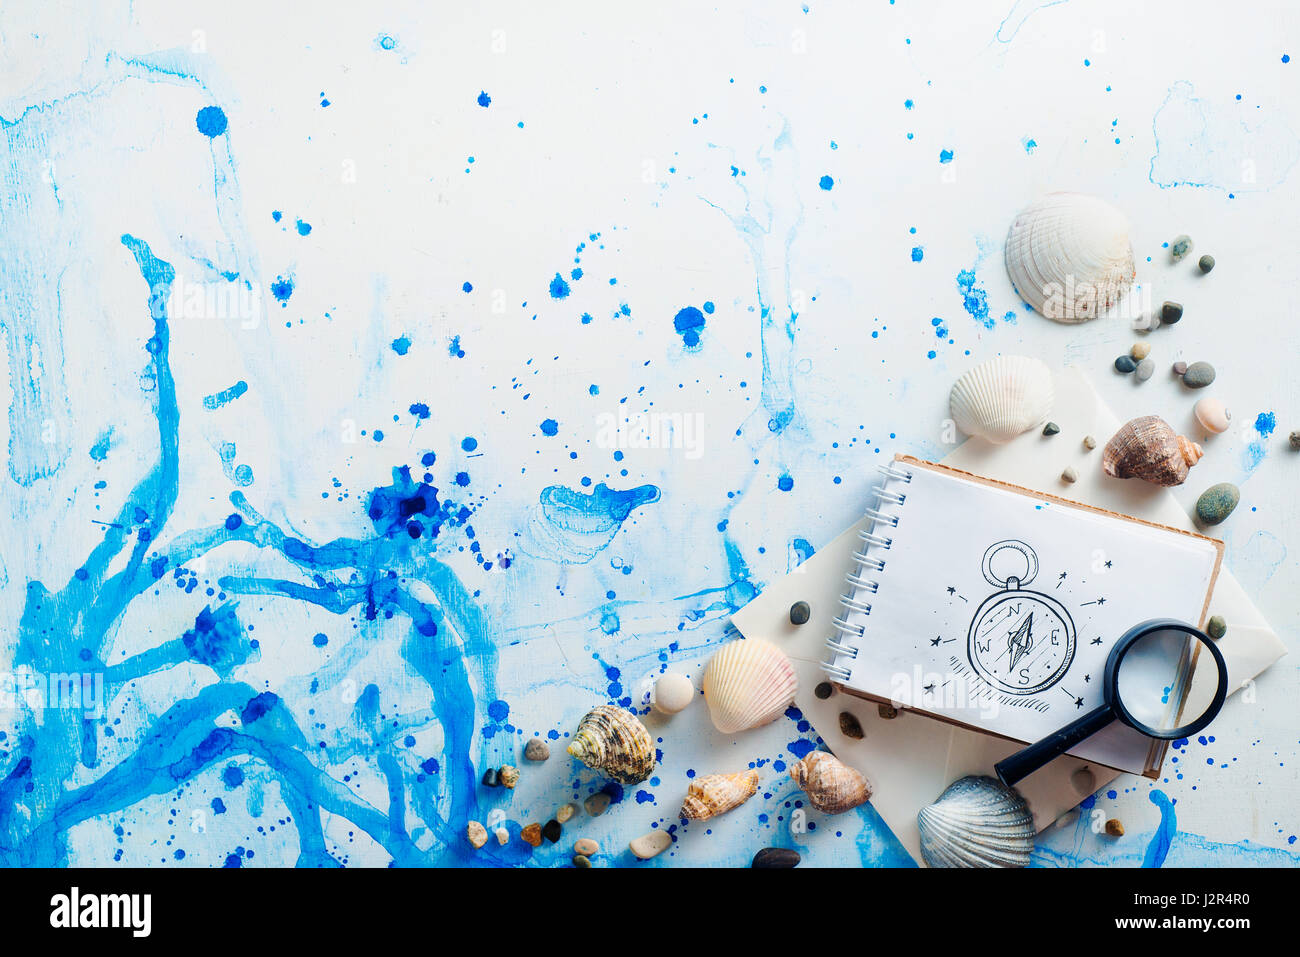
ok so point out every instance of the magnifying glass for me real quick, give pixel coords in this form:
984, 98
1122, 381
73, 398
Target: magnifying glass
1163, 677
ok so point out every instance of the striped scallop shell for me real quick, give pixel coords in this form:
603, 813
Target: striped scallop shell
1069, 256
977, 822
747, 684
1003, 397
831, 785
613, 740
716, 794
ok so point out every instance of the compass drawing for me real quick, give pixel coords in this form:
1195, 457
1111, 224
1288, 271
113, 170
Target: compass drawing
1021, 641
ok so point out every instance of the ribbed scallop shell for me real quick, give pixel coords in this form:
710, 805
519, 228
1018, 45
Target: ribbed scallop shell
748, 683
1003, 397
716, 794
1148, 448
977, 822
831, 785
1069, 256
612, 740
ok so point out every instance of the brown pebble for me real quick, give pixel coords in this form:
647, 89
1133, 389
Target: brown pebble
508, 775
565, 812
824, 690
597, 804
850, 726
1180, 368
586, 847
888, 711
1089, 442
532, 833
1114, 828
537, 750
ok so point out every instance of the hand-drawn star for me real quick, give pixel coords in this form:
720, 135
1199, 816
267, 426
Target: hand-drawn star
1101, 601
1087, 678
934, 642
1095, 641
952, 590
1078, 702
1061, 577
928, 688
1109, 564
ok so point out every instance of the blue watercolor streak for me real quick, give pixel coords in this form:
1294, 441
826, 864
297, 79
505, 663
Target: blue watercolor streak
218, 399
974, 300
1158, 847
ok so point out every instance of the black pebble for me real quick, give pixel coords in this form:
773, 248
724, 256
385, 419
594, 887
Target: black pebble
1125, 364
800, 612
1051, 428
776, 858
491, 778
1171, 312
1206, 263
824, 690
552, 830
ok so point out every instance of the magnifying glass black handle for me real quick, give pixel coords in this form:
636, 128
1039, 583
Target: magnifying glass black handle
1020, 765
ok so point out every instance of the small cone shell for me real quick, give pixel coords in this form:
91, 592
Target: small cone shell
1148, 448
716, 794
831, 785
612, 740
747, 684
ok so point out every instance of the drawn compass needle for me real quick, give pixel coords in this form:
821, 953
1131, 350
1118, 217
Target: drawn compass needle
1020, 641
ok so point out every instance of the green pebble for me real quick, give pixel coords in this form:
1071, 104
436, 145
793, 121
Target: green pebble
1051, 428
1216, 627
1217, 502
1198, 375
580, 861
1206, 263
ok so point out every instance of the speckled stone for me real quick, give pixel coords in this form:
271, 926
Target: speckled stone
1198, 375
776, 858
651, 844
1180, 247
1051, 428
800, 612
1069, 476
508, 776
597, 804
532, 834
1171, 312
1125, 364
586, 847
565, 812
1140, 350
537, 750
1089, 442
887, 711
1216, 503
1216, 627
1294, 439
850, 727
1145, 370
476, 833
1114, 827
1179, 368
824, 690
1206, 263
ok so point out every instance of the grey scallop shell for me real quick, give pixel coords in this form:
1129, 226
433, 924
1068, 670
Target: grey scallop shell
977, 822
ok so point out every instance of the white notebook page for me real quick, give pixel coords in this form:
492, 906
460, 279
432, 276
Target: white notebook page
997, 608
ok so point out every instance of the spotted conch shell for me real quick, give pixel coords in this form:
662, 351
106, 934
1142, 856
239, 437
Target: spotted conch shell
748, 683
716, 794
1069, 256
1148, 448
831, 785
613, 740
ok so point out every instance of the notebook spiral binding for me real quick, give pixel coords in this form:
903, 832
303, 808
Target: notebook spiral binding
874, 537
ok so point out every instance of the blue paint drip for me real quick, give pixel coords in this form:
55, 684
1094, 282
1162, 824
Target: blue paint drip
1158, 847
218, 399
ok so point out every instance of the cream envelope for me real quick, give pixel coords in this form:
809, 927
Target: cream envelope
911, 759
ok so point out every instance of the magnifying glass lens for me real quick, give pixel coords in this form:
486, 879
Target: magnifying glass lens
1167, 680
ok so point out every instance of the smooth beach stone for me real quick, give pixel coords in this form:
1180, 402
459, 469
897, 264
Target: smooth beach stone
508, 776
672, 693
1180, 247
597, 804
537, 750
552, 830
1145, 370
1216, 627
1084, 781
1179, 368
1140, 350
1198, 375
824, 690
581, 860
565, 812
1206, 263
1114, 827
1217, 502
776, 858
1051, 428
586, 847
491, 778
1294, 439
503, 836
476, 833
532, 834
1171, 312
850, 726
651, 845
1212, 414
1069, 476
1089, 442
800, 612
1125, 364
887, 711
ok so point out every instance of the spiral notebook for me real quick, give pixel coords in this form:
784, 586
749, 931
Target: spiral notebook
995, 607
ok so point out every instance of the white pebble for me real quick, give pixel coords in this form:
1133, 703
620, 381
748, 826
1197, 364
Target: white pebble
503, 836
651, 845
1146, 368
1069, 475
672, 692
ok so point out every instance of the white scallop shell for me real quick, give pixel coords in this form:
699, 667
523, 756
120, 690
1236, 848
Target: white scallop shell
1069, 256
748, 683
977, 822
1003, 397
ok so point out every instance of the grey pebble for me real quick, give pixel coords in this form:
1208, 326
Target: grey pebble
1206, 263
1146, 369
597, 804
1069, 476
800, 612
1171, 312
774, 858
850, 726
1217, 502
1125, 364
1179, 368
1051, 428
824, 690
537, 750
1198, 375
1216, 627
1180, 247
1295, 441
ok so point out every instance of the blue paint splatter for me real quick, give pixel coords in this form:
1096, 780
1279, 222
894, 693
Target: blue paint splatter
689, 324
484, 100
282, 289
918, 253
218, 399
559, 288
211, 121
945, 156
550, 427
826, 182
974, 299
401, 345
